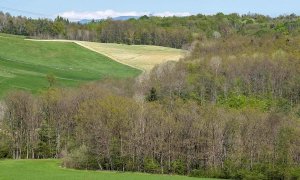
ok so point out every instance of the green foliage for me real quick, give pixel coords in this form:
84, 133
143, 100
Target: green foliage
5, 143
229, 169
295, 173
168, 31
285, 136
152, 95
277, 172
47, 141
241, 101
151, 165
79, 159
51, 80
178, 167
250, 175
281, 28
283, 105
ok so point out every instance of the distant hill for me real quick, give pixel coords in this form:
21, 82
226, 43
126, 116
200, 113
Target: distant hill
119, 18
85, 21
125, 18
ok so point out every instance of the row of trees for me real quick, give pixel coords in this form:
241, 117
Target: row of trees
169, 31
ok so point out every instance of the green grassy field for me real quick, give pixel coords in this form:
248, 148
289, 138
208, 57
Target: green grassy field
25, 64
51, 170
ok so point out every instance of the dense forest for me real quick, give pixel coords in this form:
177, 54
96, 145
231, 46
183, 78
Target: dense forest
174, 32
229, 109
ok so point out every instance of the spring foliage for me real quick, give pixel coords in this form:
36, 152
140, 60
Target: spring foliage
229, 110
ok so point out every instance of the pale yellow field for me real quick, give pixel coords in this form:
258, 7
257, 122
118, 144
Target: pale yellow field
142, 57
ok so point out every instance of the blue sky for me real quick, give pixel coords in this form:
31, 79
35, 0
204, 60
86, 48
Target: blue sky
80, 9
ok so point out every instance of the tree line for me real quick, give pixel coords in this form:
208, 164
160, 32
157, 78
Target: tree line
174, 32
230, 109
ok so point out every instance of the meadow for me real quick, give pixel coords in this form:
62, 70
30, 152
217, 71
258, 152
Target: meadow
25, 64
142, 57
50, 169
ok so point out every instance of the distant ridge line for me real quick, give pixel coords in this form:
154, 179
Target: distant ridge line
119, 18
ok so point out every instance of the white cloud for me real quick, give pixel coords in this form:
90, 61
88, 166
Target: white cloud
168, 14
75, 16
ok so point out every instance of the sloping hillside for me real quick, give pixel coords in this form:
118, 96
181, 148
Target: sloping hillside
26, 64
143, 57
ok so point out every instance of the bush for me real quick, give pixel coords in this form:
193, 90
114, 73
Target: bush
278, 172
229, 170
151, 165
249, 175
79, 159
178, 167
295, 173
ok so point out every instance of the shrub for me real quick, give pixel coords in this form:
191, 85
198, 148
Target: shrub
249, 175
79, 159
178, 167
151, 165
295, 173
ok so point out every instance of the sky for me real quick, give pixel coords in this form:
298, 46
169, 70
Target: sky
99, 9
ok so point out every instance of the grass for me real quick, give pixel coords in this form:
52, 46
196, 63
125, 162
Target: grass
25, 64
50, 170
142, 57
